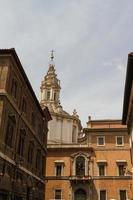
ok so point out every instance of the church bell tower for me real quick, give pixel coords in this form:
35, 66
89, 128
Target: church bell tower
50, 87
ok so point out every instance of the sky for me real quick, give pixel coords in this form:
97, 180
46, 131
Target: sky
91, 40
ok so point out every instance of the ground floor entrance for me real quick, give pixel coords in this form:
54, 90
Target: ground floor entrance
80, 194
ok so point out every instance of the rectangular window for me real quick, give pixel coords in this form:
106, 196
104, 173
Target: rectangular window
101, 141
101, 169
38, 161
119, 141
57, 194
21, 142
10, 131
121, 169
122, 194
102, 194
58, 168
48, 95
30, 152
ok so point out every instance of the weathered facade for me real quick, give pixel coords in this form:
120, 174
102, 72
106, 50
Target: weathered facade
23, 133
127, 117
93, 169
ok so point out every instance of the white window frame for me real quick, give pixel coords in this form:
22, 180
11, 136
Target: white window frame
103, 141
119, 145
59, 162
119, 162
105, 165
57, 189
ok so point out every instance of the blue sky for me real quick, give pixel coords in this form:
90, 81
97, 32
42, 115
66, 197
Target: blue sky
91, 39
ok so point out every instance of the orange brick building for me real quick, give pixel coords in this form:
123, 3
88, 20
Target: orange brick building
95, 168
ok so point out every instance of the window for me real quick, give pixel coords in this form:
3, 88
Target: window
21, 142
80, 166
101, 169
10, 131
122, 194
38, 159
74, 134
121, 169
58, 194
101, 141
14, 88
24, 106
119, 141
30, 152
102, 194
48, 95
58, 169
55, 96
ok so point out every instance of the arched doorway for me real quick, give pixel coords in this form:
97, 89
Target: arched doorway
80, 194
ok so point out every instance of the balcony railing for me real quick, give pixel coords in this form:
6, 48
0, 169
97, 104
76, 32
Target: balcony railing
80, 179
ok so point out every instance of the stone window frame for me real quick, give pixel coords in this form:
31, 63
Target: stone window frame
104, 163
87, 160
59, 163
98, 140
100, 193
123, 190
119, 136
21, 142
38, 161
30, 152
11, 122
121, 163
48, 93
59, 189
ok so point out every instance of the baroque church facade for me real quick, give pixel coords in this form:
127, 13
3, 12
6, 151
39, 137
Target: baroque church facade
89, 163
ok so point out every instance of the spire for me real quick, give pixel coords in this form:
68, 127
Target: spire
52, 55
50, 87
51, 61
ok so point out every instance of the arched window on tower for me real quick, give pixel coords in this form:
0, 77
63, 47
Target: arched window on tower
48, 95
55, 96
80, 166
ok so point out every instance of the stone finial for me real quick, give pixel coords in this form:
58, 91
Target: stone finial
75, 113
89, 118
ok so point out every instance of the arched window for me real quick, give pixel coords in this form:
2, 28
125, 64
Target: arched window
80, 166
80, 194
48, 95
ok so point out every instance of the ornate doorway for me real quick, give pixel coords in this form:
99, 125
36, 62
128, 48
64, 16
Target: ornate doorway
80, 194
